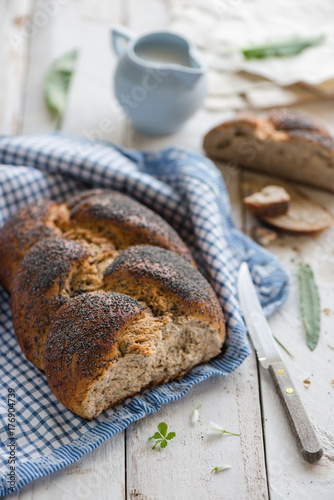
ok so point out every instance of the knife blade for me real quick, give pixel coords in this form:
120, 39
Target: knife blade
269, 357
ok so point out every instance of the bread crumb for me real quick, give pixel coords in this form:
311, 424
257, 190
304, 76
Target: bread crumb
263, 236
307, 383
327, 311
332, 382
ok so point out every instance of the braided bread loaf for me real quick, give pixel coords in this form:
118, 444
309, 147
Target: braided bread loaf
105, 298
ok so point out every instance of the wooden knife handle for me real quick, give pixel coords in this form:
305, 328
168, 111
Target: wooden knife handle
299, 421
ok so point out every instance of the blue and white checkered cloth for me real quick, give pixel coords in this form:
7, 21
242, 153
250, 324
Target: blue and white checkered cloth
188, 191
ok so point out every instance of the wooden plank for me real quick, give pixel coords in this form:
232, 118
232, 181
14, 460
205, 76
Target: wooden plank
182, 470
14, 25
93, 111
99, 474
288, 473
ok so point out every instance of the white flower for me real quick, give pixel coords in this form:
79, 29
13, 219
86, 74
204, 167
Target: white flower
220, 467
217, 429
195, 415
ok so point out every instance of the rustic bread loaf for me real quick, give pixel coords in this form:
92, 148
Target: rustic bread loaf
287, 144
106, 298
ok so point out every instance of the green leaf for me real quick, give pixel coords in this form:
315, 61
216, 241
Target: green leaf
159, 441
280, 48
309, 304
161, 437
162, 427
283, 347
57, 84
157, 435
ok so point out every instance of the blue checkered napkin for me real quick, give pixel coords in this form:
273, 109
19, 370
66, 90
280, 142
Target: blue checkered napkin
189, 192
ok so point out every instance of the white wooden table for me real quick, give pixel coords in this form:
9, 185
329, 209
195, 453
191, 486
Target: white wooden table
265, 460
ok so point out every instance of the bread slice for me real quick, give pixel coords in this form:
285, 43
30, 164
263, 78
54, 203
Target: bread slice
303, 216
271, 201
287, 144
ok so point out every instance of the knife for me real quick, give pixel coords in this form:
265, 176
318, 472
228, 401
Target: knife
269, 357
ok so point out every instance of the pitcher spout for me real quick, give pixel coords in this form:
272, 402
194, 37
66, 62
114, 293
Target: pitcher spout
188, 76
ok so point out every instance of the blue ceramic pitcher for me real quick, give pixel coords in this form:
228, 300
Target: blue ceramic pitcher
160, 80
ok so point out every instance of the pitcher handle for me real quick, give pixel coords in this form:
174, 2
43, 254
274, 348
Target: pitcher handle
119, 35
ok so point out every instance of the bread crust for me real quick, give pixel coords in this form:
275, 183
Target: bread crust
145, 269
289, 119
20, 232
269, 210
128, 221
83, 341
323, 141
106, 214
40, 290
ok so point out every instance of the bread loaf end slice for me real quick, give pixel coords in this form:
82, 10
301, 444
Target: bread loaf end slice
288, 145
104, 347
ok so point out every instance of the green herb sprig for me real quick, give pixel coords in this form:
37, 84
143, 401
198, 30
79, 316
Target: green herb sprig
161, 437
309, 304
283, 347
282, 48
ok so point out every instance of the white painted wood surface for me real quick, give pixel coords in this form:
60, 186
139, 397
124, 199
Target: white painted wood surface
125, 467
13, 62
